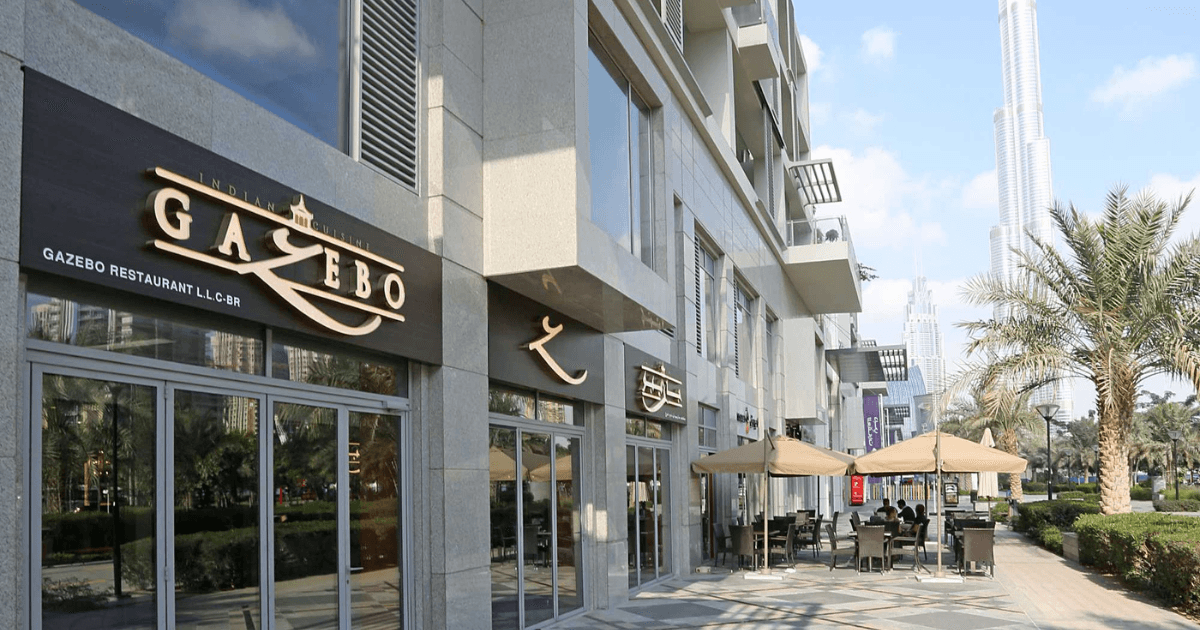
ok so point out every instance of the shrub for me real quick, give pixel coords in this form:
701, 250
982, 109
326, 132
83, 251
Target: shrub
1033, 487
1156, 552
1089, 488
1000, 512
1051, 538
1032, 517
1140, 493
1182, 505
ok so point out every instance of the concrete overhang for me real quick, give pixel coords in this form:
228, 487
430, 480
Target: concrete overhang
703, 15
866, 364
758, 53
826, 276
583, 296
874, 388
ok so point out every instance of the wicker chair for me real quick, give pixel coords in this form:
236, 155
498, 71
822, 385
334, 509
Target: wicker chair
871, 545
909, 545
978, 544
835, 551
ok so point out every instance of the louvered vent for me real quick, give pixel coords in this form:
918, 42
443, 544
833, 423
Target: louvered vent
388, 135
672, 15
699, 305
737, 316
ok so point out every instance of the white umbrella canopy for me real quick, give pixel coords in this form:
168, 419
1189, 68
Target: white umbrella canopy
787, 457
989, 485
916, 455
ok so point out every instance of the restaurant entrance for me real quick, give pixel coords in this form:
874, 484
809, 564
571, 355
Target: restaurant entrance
171, 498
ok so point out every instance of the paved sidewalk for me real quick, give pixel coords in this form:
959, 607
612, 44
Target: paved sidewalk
1033, 589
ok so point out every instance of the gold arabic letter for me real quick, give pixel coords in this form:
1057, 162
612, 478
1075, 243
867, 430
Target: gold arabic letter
539, 346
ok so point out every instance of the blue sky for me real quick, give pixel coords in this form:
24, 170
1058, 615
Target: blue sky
902, 96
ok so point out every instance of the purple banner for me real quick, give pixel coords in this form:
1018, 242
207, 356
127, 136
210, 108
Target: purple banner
873, 426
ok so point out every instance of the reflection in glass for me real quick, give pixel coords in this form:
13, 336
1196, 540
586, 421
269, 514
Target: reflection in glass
536, 528
98, 485
647, 514
632, 501
502, 460
662, 523
286, 57
511, 403
216, 509
304, 365
305, 497
569, 542
376, 598
558, 411
608, 133
67, 321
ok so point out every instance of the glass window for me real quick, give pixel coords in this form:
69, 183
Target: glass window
708, 428
620, 133
533, 406
306, 365
67, 321
635, 426
287, 57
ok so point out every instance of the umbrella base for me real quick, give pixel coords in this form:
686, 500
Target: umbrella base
760, 575
940, 579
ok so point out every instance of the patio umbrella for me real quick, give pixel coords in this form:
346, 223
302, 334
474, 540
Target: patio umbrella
916, 455
921, 455
989, 485
777, 457
502, 464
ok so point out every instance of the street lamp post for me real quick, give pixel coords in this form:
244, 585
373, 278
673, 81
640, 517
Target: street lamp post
1096, 450
1175, 435
1047, 411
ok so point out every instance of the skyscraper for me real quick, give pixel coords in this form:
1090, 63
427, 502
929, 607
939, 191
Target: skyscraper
1022, 159
923, 336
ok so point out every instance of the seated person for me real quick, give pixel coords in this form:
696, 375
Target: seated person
887, 505
906, 513
891, 515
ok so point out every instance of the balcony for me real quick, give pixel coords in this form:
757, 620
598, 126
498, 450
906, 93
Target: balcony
820, 262
755, 37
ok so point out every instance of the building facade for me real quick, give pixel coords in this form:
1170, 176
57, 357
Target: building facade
923, 336
1023, 173
408, 313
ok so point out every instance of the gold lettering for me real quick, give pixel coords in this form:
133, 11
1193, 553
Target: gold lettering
216, 183
157, 202
393, 290
232, 191
331, 269
363, 275
231, 234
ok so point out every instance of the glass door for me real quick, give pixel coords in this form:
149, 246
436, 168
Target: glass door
647, 493
374, 552
307, 575
215, 467
96, 441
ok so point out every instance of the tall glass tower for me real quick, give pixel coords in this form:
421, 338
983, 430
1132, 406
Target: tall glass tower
1022, 159
923, 336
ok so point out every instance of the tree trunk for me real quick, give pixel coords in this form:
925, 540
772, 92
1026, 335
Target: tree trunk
1114, 425
1008, 443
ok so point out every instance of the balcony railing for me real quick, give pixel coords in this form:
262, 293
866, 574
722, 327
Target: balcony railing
825, 230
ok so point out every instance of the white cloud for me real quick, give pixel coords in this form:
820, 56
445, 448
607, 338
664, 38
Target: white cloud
879, 43
861, 121
234, 27
812, 53
878, 199
1152, 76
883, 303
982, 192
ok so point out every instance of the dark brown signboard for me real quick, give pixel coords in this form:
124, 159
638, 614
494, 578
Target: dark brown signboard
112, 200
654, 388
532, 346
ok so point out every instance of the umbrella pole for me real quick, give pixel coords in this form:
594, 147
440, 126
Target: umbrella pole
766, 518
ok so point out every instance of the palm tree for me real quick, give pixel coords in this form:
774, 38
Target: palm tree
1156, 420
975, 404
1118, 308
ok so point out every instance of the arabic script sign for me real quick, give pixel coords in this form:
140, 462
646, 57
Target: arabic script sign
656, 388
111, 200
539, 346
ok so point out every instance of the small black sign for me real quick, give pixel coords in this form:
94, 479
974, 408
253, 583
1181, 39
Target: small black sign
654, 388
112, 200
532, 346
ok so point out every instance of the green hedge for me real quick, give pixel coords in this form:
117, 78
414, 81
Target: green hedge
1000, 512
1033, 487
1182, 505
1051, 538
1059, 513
1140, 493
1159, 553
1078, 495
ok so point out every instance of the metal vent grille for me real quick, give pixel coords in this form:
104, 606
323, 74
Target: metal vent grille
699, 304
737, 316
388, 104
672, 14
